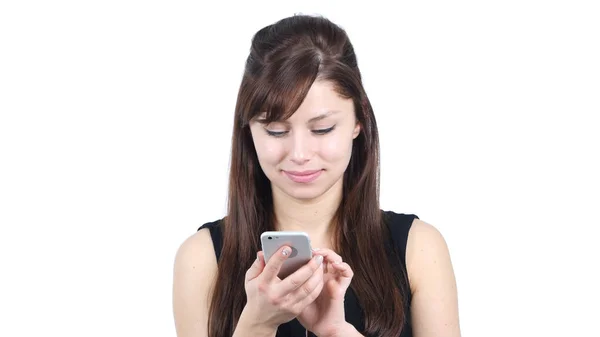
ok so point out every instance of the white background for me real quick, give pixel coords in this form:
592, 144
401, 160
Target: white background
115, 132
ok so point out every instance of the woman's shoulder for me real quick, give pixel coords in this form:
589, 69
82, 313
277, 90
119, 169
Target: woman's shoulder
214, 231
200, 244
195, 268
415, 229
197, 245
420, 243
425, 238
427, 253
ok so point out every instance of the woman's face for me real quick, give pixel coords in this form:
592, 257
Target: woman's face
307, 154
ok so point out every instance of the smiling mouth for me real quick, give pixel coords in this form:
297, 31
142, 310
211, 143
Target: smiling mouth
304, 176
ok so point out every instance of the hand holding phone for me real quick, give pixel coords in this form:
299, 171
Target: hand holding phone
299, 242
273, 298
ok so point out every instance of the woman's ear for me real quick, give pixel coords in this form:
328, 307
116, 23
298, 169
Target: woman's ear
356, 131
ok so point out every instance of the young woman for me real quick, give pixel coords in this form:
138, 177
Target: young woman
305, 157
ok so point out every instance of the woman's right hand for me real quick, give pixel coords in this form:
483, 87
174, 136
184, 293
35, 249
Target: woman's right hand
272, 301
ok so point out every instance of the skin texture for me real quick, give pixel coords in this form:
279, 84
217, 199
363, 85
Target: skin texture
299, 144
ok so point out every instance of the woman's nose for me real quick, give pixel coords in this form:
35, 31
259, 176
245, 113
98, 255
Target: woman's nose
301, 148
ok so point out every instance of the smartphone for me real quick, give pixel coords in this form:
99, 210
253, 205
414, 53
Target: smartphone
299, 242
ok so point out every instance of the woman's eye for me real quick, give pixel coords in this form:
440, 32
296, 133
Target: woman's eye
323, 131
283, 133
276, 133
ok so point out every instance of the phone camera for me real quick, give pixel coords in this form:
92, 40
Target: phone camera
270, 237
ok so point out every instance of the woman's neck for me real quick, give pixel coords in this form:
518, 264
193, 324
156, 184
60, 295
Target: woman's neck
311, 216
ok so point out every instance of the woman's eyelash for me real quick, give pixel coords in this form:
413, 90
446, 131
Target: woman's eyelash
324, 131
276, 133
283, 133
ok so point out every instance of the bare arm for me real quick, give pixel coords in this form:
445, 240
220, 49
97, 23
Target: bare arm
193, 276
435, 301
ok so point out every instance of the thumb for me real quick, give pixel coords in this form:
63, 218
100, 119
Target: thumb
257, 267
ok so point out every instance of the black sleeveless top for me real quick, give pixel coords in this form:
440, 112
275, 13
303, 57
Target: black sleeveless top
399, 225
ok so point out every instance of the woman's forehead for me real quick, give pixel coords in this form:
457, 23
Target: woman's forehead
322, 101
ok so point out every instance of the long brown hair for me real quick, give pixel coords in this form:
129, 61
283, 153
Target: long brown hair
285, 59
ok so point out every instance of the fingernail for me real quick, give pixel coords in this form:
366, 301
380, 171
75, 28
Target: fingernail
257, 257
319, 259
286, 251
315, 249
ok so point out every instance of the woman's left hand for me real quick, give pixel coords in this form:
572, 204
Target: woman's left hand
326, 315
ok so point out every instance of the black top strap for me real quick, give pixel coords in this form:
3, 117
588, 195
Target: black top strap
216, 234
399, 225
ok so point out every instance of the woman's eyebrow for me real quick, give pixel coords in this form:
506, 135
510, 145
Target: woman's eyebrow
262, 119
323, 116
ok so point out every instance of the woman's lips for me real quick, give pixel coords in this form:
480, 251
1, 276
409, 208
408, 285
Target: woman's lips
303, 176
